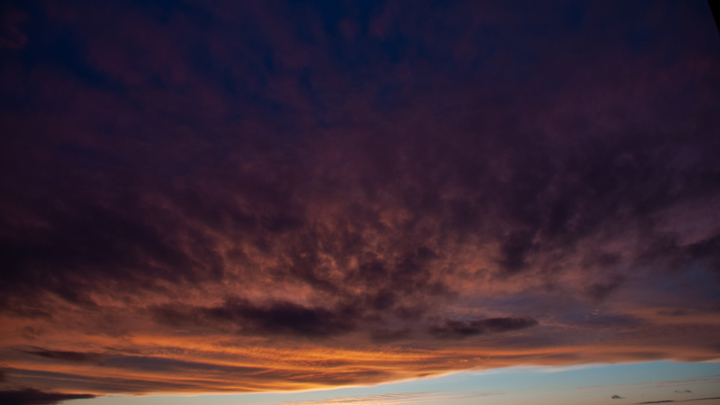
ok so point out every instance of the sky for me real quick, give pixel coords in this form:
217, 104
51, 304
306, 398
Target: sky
372, 202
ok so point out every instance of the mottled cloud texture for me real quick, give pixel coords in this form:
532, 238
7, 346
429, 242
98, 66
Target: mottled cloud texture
223, 196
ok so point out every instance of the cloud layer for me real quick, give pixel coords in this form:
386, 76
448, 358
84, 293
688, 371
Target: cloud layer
35, 397
213, 197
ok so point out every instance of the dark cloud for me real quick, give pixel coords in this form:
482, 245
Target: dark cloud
36, 397
543, 198
706, 252
675, 312
685, 400
276, 318
115, 384
598, 292
172, 366
11, 32
142, 363
514, 251
283, 317
616, 397
88, 242
461, 329
77, 357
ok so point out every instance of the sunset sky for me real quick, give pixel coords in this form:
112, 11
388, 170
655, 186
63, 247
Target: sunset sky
359, 202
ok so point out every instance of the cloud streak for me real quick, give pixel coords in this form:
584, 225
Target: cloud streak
35, 397
457, 329
685, 400
391, 399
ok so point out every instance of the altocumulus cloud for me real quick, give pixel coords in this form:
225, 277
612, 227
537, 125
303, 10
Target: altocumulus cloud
223, 197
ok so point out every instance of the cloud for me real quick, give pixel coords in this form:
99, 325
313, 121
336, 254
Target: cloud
616, 397
35, 397
601, 290
11, 32
276, 318
77, 357
684, 400
226, 197
459, 329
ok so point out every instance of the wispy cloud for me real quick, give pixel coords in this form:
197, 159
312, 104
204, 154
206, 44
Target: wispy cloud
683, 400
390, 399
